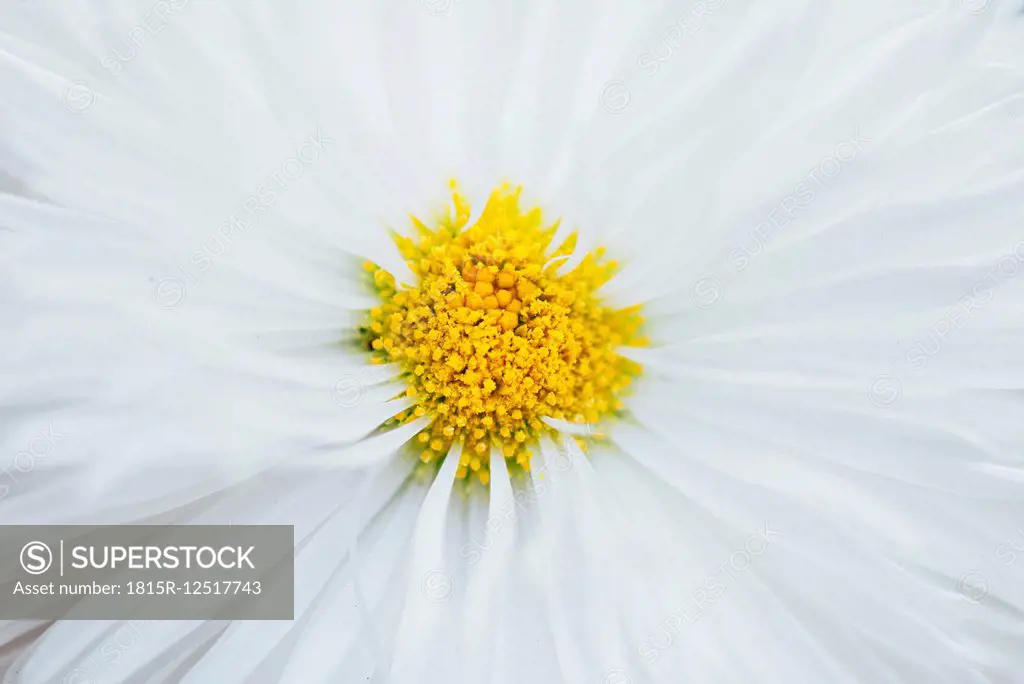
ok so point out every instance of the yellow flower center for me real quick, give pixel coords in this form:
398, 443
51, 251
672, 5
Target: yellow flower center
493, 339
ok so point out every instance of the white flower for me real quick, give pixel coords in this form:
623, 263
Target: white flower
817, 475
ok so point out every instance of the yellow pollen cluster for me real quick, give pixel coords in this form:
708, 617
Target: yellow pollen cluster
492, 338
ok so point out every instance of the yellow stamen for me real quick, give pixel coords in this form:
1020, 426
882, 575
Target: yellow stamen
492, 338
